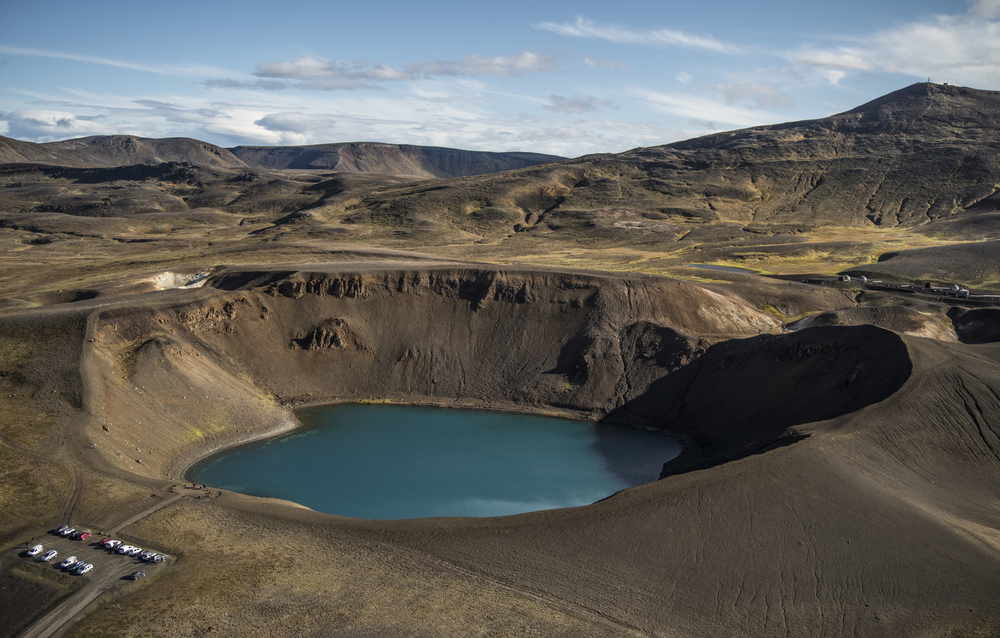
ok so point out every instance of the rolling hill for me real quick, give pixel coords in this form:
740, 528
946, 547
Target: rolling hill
350, 157
840, 473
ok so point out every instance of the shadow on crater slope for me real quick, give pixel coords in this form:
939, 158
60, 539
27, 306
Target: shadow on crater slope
746, 396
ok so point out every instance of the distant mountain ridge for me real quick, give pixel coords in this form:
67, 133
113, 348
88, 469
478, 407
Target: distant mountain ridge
351, 157
924, 155
117, 150
395, 159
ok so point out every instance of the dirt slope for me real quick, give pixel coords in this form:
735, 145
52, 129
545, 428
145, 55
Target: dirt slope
881, 522
234, 353
836, 480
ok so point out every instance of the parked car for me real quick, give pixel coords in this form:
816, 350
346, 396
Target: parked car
34, 551
124, 549
69, 561
81, 535
62, 529
83, 569
67, 531
137, 575
135, 551
47, 556
146, 555
112, 544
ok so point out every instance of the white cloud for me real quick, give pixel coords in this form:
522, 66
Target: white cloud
705, 110
584, 28
497, 66
582, 104
253, 85
958, 49
313, 73
985, 8
604, 64
42, 125
290, 122
845, 59
762, 95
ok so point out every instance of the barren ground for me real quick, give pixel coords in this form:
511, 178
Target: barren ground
844, 486
841, 465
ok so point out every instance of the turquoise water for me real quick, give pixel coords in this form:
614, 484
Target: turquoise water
392, 462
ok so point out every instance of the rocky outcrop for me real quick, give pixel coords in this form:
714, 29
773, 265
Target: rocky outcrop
331, 334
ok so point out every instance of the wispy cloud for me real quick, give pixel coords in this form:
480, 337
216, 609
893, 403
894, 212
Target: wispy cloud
605, 64
738, 89
701, 109
253, 85
581, 104
59, 55
584, 28
328, 75
196, 70
959, 49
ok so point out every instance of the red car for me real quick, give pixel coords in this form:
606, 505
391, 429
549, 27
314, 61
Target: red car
81, 535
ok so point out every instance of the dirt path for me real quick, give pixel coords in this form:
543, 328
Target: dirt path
144, 514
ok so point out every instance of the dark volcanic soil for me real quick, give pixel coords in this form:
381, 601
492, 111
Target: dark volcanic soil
841, 464
835, 480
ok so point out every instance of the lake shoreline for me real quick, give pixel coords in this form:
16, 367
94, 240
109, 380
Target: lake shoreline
498, 463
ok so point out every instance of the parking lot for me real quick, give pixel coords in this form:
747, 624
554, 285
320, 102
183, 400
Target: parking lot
93, 552
111, 570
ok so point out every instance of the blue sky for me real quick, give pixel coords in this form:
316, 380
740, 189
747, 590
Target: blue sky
559, 77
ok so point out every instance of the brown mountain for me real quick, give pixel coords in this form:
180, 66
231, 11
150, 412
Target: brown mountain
926, 154
352, 157
840, 474
922, 161
395, 159
117, 150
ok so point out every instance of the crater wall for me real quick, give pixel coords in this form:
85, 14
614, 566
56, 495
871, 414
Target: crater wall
193, 370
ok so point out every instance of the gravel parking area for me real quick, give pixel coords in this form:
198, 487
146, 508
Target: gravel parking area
111, 570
